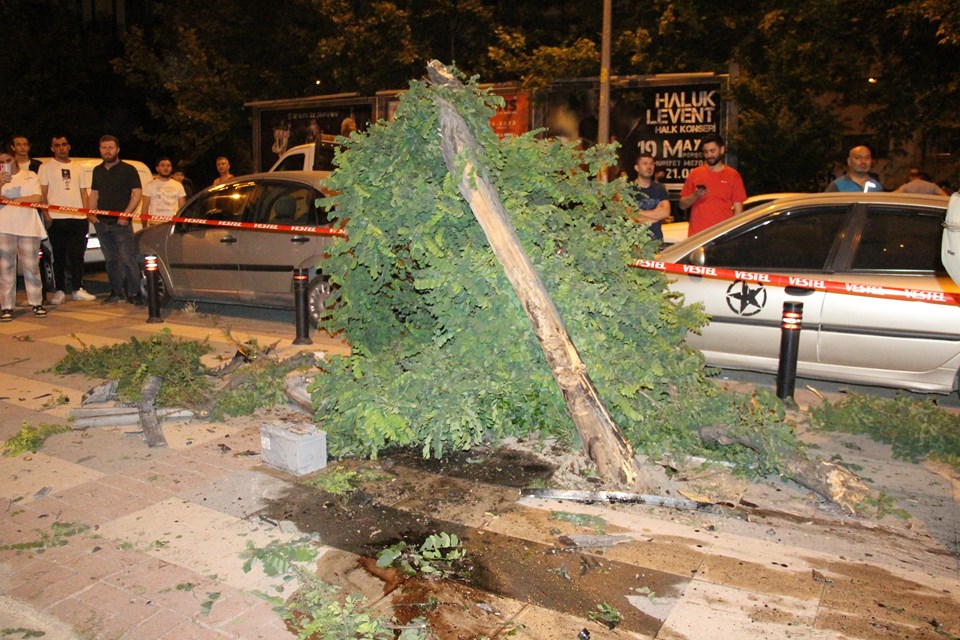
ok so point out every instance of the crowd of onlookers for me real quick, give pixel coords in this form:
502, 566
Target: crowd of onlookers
61, 183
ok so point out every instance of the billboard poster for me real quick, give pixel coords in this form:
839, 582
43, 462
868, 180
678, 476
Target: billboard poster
283, 128
513, 118
665, 120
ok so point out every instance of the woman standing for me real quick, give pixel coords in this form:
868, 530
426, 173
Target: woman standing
21, 231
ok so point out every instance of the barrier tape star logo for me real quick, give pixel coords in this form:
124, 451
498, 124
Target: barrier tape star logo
746, 298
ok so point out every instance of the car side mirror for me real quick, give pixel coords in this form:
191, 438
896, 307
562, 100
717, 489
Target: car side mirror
698, 257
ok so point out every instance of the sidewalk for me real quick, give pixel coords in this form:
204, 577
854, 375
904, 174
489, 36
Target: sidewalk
144, 544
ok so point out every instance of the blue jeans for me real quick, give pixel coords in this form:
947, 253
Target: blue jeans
120, 256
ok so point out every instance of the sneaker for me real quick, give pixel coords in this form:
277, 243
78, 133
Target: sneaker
57, 297
81, 294
113, 298
39, 311
6, 315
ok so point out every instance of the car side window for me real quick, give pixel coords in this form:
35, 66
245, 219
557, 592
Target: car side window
293, 162
290, 204
787, 240
900, 239
227, 204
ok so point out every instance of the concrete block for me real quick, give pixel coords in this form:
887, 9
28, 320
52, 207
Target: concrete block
295, 448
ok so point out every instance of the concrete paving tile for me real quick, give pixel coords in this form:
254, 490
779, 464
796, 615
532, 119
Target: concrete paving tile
205, 540
537, 623
174, 472
104, 449
763, 576
231, 604
877, 596
156, 626
49, 584
15, 614
87, 313
270, 631
259, 615
189, 434
79, 615
39, 395
100, 562
709, 610
100, 502
23, 476
188, 631
240, 493
109, 600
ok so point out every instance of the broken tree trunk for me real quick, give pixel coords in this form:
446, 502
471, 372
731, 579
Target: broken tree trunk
832, 481
602, 439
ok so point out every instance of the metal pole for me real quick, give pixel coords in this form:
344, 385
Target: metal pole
790, 327
603, 124
301, 309
153, 301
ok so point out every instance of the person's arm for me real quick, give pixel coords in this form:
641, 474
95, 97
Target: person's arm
688, 201
661, 211
134, 201
47, 218
182, 200
737, 208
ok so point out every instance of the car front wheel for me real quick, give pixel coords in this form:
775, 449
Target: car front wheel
317, 296
163, 294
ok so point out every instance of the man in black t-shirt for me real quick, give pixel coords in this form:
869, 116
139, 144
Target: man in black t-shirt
116, 187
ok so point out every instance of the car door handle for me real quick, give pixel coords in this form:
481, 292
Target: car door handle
228, 239
299, 239
798, 291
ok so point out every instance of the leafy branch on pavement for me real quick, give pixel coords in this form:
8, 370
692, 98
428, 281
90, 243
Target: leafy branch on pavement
316, 611
130, 363
915, 429
31, 438
436, 556
57, 536
255, 377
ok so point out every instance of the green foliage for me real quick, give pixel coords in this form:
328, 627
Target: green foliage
606, 614
338, 481
443, 355
22, 632
57, 536
258, 385
278, 558
130, 363
317, 612
31, 438
435, 557
882, 506
916, 429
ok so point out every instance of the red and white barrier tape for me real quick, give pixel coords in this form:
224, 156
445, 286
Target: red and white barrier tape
320, 231
852, 288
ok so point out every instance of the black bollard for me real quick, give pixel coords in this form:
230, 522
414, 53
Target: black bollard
789, 346
153, 302
301, 309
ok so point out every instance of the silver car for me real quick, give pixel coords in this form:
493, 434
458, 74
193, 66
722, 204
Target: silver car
874, 240
241, 265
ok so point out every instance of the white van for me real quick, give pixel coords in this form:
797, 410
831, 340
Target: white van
314, 156
94, 253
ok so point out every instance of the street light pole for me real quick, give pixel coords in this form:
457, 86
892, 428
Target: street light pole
603, 130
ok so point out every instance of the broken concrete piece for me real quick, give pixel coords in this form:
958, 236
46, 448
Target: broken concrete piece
121, 416
101, 393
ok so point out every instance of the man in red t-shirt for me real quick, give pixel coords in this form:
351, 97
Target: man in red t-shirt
713, 191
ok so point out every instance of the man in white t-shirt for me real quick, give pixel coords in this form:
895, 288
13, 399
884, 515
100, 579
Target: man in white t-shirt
63, 183
163, 196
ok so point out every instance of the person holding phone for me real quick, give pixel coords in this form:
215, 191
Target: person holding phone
21, 231
713, 191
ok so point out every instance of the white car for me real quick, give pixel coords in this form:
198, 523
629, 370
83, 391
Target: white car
674, 232
94, 253
866, 240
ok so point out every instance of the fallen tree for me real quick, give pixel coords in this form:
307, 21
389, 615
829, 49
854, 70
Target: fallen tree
455, 344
